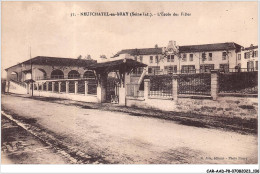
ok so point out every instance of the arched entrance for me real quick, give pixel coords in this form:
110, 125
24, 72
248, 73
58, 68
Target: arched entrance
73, 74
14, 76
89, 74
57, 74
39, 74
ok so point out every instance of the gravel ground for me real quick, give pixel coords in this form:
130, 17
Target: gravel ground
117, 137
20, 147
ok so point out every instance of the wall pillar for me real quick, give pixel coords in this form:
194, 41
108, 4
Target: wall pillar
52, 86
47, 86
136, 87
101, 88
7, 86
146, 88
37, 86
122, 95
59, 87
76, 87
214, 84
67, 87
86, 87
175, 87
27, 88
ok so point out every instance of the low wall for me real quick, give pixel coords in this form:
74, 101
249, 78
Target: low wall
76, 97
224, 106
15, 88
162, 103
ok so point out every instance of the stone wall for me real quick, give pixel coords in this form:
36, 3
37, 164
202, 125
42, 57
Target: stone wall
225, 106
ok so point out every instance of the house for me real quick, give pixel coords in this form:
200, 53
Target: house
249, 58
185, 59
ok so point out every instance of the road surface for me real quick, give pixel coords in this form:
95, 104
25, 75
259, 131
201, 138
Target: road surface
114, 137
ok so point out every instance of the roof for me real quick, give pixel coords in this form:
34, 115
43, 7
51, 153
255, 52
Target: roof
183, 49
121, 64
251, 47
142, 51
43, 60
210, 47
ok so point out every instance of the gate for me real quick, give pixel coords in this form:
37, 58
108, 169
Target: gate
112, 90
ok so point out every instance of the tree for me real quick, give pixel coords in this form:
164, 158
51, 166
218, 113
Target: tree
88, 57
79, 57
103, 56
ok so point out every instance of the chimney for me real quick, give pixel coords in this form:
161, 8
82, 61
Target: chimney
156, 46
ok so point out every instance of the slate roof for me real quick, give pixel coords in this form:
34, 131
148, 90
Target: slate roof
43, 60
183, 49
210, 47
116, 65
142, 51
251, 48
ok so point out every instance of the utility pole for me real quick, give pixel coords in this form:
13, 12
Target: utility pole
31, 70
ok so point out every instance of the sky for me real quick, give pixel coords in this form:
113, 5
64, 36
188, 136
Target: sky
49, 29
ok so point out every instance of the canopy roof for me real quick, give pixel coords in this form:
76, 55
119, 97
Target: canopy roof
116, 65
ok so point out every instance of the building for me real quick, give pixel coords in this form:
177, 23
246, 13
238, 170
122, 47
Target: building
249, 58
185, 59
49, 68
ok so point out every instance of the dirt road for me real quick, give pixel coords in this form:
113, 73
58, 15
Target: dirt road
114, 137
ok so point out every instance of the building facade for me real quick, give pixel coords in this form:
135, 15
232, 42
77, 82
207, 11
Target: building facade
186, 59
249, 58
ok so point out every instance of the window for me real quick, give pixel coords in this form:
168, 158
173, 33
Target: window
206, 68
254, 54
141, 58
150, 70
184, 58
154, 70
191, 57
156, 59
188, 69
239, 57
224, 67
204, 58
210, 56
151, 59
224, 55
256, 65
247, 55
250, 66
170, 69
172, 58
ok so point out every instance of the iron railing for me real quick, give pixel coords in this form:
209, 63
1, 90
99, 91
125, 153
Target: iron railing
161, 86
194, 84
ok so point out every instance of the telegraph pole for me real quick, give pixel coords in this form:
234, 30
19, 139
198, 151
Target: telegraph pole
31, 70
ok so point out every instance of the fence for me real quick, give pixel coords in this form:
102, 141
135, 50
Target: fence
194, 84
73, 86
239, 82
133, 90
161, 86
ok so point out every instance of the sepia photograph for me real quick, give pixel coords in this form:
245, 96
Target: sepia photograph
100, 83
